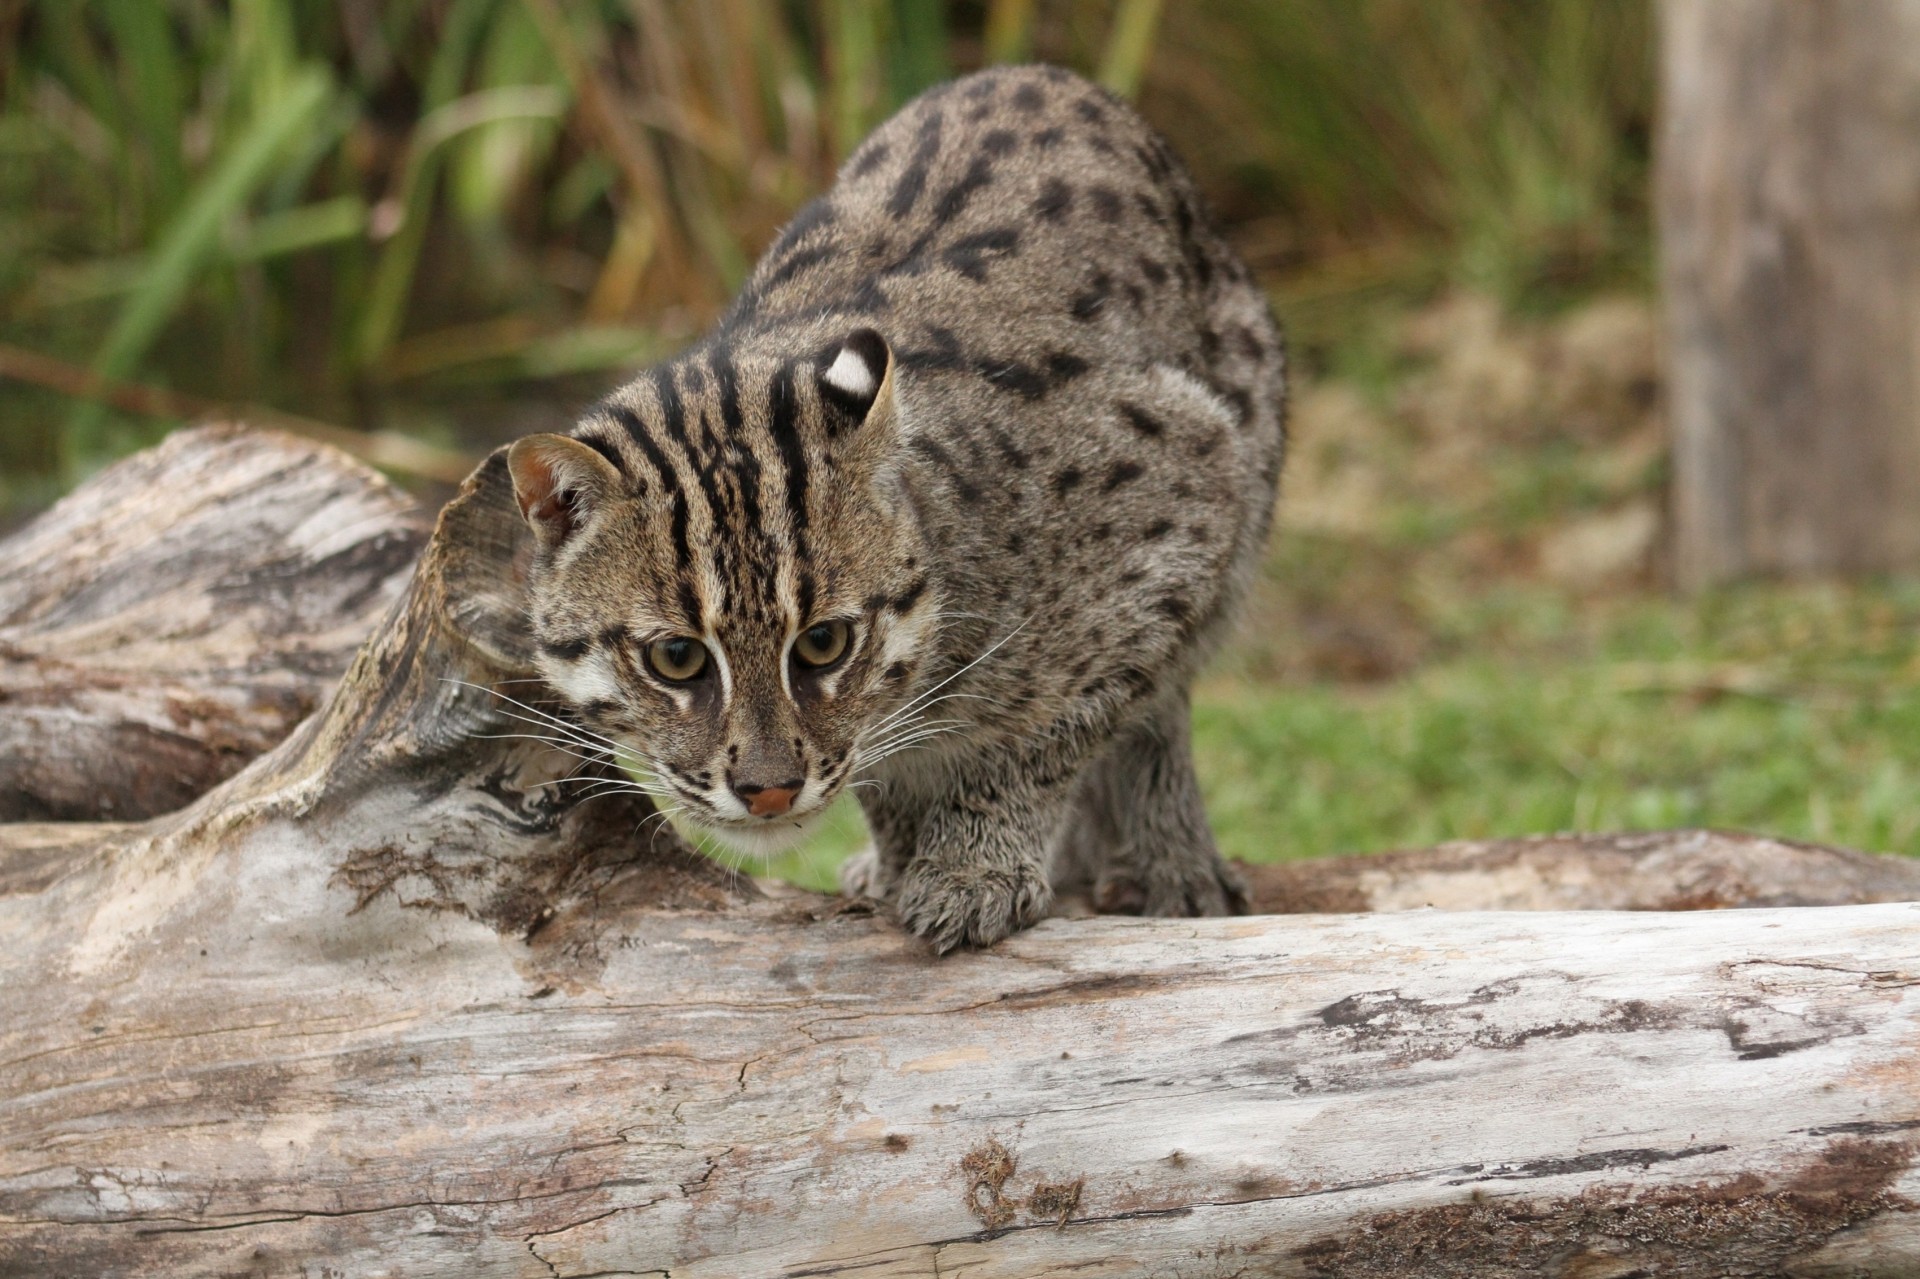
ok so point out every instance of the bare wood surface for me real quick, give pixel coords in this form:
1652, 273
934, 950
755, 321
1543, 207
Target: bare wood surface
1655, 870
180, 613
1788, 175
389, 1002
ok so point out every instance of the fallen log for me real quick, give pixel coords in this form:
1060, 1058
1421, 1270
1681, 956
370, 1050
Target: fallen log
180, 613
403, 998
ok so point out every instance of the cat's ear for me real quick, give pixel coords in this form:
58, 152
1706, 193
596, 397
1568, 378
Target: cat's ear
559, 483
856, 380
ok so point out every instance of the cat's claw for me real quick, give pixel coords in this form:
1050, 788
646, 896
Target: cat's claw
971, 905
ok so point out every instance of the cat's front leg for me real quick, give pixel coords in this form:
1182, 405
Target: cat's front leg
979, 871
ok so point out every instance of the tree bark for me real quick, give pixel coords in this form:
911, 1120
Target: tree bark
392, 1001
180, 613
1788, 184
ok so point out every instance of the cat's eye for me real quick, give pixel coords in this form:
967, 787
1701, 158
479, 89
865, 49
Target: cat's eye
822, 644
677, 659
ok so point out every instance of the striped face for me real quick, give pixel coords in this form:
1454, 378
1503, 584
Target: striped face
729, 580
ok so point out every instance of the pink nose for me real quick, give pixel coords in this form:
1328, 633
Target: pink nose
768, 801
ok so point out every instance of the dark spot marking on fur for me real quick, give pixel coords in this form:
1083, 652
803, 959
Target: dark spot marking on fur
1013, 454
1155, 273
798, 262
1064, 366
983, 85
906, 191
1136, 295
1157, 530
606, 449
1175, 607
1240, 399
814, 214
1102, 532
1090, 110
1121, 472
1055, 198
1015, 543
1066, 480
896, 672
1142, 421
1133, 575
1106, 203
1028, 98
1014, 376
903, 602
1087, 303
1149, 209
783, 408
970, 254
1200, 533
943, 355
934, 451
998, 142
870, 158
1049, 138
567, 650
1250, 344
954, 200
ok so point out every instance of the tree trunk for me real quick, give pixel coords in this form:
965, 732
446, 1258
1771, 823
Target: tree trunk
391, 1001
1789, 216
180, 613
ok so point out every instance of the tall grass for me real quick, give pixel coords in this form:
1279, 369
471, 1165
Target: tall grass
405, 213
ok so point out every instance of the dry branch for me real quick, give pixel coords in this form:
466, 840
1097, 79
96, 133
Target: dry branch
388, 1003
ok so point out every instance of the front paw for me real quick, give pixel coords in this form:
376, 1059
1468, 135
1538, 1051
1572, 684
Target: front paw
863, 875
971, 905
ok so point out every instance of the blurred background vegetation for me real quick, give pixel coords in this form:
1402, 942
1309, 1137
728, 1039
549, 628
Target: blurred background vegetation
421, 227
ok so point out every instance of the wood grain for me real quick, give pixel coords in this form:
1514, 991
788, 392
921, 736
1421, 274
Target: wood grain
178, 614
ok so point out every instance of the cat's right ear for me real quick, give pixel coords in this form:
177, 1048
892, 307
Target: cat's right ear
559, 483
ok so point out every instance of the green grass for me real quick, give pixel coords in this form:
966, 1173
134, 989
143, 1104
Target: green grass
1792, 711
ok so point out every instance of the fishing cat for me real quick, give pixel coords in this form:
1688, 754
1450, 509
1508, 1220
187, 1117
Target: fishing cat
947, 510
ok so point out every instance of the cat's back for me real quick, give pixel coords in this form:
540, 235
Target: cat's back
1020, 211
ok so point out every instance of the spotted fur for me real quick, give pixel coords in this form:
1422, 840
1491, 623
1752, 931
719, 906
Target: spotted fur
1004, 402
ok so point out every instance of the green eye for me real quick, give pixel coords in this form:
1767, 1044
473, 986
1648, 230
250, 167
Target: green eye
823, 644
677, 659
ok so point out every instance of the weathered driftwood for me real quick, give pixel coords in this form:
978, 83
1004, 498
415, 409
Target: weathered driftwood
179, 614
389, 1003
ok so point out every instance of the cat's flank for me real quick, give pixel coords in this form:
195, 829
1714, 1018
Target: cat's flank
947, 510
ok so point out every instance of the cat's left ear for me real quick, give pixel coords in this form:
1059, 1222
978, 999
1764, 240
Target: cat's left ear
856, 382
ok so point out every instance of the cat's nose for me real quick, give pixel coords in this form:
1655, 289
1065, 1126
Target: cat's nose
768, 801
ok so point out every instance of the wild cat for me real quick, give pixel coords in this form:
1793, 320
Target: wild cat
947, 509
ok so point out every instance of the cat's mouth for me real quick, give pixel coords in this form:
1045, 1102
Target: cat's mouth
763, 837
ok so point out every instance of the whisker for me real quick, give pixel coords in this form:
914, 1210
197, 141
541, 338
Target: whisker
916, 702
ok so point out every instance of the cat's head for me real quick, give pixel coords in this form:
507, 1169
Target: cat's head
730, 581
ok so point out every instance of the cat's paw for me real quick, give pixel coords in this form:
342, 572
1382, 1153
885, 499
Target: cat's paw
862, 875
1209, 887
971, 905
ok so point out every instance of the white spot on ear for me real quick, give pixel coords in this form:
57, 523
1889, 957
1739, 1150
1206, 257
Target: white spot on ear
849, 373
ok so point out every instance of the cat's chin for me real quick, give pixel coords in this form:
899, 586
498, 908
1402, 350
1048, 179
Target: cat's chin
762, 839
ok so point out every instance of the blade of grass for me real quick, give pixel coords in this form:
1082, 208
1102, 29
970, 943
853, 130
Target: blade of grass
1009, 35
192, 237
1129, 45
